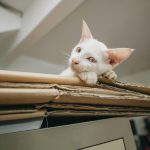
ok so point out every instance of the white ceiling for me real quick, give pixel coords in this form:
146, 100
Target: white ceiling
17, 4
38, 18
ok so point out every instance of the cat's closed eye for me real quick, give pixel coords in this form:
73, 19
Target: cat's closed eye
78, 50
92, 59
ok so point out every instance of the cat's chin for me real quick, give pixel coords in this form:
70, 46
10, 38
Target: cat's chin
74, 69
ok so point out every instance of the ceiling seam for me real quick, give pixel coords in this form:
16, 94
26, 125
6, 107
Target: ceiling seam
11, 9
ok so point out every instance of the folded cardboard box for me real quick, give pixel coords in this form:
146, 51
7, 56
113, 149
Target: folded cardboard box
54, 95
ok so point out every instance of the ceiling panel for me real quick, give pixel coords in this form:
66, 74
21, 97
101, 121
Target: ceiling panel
17, 4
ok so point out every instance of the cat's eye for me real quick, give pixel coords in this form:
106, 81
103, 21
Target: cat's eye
78, 49
92, 59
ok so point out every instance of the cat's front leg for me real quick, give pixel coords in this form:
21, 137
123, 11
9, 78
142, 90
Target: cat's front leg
111, 75
88, 77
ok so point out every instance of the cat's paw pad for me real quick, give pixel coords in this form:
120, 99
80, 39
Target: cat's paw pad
88, 77
111, 75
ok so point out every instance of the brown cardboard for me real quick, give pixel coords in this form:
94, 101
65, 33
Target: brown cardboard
133, 87
69, 96
58, 110
26, 96
74, 113
14, 76
73, 94
16, 111
8, 117
95, 96
55, 106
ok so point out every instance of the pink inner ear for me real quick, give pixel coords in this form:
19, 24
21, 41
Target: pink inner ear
118, 55
86, 33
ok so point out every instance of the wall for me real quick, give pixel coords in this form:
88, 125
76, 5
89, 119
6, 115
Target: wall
142, 77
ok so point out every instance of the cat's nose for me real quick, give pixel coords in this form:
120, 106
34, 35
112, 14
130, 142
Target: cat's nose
75, 61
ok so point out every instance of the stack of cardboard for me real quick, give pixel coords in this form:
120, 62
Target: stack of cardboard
31, 95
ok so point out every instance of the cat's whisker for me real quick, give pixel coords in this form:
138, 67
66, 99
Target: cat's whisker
66, 55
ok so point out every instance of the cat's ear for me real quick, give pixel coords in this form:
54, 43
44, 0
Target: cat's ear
118, 55
86, 33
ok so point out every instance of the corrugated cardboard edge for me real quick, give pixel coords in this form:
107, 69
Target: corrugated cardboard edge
57, 106
26, 77
128, 86
27, 96
73, 113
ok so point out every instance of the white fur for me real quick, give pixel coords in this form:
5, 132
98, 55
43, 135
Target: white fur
86, 70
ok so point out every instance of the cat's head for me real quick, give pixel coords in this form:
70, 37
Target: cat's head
92, 55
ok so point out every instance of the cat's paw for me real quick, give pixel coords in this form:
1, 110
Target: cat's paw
88, 77
111, 75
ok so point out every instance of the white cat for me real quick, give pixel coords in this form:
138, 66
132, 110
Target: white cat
90, 59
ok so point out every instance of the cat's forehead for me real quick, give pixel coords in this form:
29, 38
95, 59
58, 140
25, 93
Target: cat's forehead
93, 44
